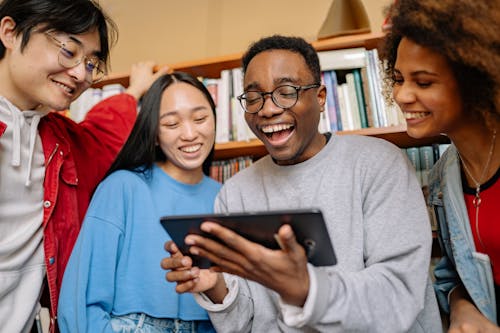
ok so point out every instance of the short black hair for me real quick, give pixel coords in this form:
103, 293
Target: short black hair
293, 44
140, 151
69, 16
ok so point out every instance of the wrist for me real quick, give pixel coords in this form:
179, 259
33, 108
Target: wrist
219, 291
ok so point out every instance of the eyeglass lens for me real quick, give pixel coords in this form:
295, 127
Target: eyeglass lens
71, 54
283, 96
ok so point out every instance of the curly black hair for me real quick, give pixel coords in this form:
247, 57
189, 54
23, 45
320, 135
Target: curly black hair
465, 32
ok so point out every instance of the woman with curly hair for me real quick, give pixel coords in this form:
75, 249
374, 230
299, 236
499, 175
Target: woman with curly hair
443, 65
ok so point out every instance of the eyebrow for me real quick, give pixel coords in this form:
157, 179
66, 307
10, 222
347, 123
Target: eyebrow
276, 82
193, 110
416, 73
79, 42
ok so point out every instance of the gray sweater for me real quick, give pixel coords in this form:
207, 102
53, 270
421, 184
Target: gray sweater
378, 223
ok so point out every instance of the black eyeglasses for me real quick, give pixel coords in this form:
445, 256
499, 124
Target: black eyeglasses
285, 96
71, 54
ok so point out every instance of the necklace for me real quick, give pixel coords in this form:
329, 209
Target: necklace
477, 198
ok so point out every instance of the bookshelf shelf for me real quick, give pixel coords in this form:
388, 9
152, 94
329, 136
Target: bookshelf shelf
239, 148
395, 134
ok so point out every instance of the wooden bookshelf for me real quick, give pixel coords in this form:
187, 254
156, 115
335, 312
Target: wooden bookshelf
211, 68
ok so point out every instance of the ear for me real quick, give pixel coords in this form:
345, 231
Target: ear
321, 96
8, 32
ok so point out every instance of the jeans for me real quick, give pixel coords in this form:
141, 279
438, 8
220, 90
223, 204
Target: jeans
142, 323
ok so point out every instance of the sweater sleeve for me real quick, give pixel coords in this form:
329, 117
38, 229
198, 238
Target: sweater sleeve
88, 288
102, 133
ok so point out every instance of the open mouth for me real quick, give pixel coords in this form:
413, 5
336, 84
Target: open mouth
191, 149
415, 115
67, 89
277, 132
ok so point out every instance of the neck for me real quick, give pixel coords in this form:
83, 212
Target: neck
182, 175
479, 151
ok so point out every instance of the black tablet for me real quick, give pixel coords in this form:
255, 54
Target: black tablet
260, 227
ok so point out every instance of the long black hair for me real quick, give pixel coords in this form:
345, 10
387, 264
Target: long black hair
140, 151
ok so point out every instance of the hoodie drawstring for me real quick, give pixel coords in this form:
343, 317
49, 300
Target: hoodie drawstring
33, 133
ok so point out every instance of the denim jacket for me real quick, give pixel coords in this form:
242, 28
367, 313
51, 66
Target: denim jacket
460, 262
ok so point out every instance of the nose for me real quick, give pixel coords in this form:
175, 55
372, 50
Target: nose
269, 108
79, 73
403, 94
188, 131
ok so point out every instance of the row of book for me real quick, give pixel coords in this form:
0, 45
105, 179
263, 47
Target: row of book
423, 158
222, 170
353, 80
352, 77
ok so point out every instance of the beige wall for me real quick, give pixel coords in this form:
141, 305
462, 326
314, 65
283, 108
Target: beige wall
172, 31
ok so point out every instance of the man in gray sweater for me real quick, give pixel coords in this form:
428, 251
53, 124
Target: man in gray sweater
370, 198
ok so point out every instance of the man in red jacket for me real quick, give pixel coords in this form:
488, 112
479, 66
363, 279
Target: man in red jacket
50, 52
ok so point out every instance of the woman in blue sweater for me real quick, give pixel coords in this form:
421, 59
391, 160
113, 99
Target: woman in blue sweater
113, 281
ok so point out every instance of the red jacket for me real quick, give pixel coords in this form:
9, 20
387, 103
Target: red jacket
77, 155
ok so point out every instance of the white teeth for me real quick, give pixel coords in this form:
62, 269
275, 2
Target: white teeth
275, 128
415, 115
191, 149
65, 87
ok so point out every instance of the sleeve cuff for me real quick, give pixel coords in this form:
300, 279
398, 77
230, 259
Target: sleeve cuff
233, 289
295, 316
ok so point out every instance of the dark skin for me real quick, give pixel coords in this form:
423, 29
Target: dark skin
291, 137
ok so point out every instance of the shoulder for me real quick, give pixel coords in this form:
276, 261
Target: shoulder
444, 163
263, 165
124, 181
212, 184
366, 144
366, 150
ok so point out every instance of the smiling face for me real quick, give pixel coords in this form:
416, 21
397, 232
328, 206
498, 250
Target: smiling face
290, 135
34, 77
427, 92
186, 131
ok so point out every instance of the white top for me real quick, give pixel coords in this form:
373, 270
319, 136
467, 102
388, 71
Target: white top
22, 172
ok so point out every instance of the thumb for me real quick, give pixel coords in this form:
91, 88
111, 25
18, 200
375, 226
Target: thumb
286, 239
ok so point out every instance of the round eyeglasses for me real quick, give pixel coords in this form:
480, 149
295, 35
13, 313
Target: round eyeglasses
285, 96
71, 55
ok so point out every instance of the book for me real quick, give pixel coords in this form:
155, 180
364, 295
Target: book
358, 85
342, 59
345, 109
223, 120
331, 102
353, 101
371, 116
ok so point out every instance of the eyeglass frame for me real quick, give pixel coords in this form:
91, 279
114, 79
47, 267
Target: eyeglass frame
264, 93
101, 64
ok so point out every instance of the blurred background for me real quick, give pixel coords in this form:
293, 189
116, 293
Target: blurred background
170, 32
